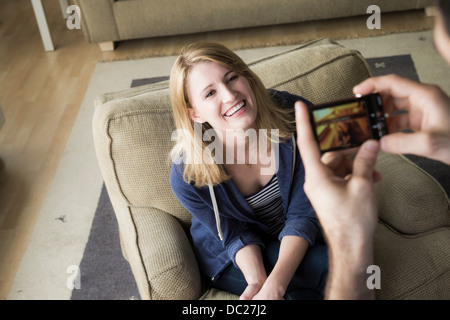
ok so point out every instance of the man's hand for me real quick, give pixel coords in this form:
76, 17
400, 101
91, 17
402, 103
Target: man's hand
428, 116
345, 203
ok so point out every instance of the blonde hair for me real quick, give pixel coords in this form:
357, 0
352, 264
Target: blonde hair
199, 167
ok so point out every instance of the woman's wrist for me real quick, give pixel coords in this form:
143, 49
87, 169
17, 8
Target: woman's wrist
276, 286
249, 260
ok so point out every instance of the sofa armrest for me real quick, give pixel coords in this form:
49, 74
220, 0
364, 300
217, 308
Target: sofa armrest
98, 21
160, 255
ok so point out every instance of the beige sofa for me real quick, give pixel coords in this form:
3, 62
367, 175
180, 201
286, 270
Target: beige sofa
132, 133
106, 21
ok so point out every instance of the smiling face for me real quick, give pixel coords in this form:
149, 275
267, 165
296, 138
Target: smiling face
220, 97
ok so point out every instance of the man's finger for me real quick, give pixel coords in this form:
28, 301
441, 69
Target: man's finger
365, 160
306, 141
393, 86
404, 143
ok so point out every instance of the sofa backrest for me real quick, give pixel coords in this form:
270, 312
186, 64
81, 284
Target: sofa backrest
132, 129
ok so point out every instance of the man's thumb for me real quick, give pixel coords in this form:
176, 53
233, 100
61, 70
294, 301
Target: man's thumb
365, 160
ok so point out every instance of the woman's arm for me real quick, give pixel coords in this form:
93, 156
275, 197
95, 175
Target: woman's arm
259, 286
292, 251
249, 260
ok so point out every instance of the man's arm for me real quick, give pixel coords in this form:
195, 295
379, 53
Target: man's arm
348, 272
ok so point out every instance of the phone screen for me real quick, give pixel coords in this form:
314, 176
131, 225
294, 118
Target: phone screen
342, 126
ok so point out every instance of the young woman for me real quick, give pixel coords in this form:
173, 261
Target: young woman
236, 169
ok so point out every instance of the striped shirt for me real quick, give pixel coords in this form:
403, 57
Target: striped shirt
268, 207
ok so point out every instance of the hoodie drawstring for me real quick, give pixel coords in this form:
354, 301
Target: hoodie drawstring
216, 212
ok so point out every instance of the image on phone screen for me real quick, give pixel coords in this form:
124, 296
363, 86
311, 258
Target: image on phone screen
343, 126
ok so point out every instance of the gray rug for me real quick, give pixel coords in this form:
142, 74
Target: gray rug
106, 275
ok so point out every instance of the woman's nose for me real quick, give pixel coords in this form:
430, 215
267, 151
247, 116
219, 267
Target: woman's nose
227, 94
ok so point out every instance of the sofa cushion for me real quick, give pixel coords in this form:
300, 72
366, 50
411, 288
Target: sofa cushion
412, 266
412, 237
410, 200
138, 122
319, 71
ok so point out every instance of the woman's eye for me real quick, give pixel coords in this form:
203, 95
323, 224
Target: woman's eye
231, 79
211, 93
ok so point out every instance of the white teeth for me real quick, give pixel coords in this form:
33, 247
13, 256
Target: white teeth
235, 109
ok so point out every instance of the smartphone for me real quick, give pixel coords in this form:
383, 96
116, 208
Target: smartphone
348, 123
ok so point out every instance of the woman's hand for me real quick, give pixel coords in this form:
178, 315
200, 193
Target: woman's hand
260, 287
270, 292
251, 291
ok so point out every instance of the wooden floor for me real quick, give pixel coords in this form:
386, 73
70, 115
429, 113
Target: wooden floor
41, 93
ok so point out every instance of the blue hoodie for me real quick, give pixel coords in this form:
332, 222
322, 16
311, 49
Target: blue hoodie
219, 233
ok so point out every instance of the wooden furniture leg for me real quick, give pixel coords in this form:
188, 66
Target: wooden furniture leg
42, 24
107, 46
